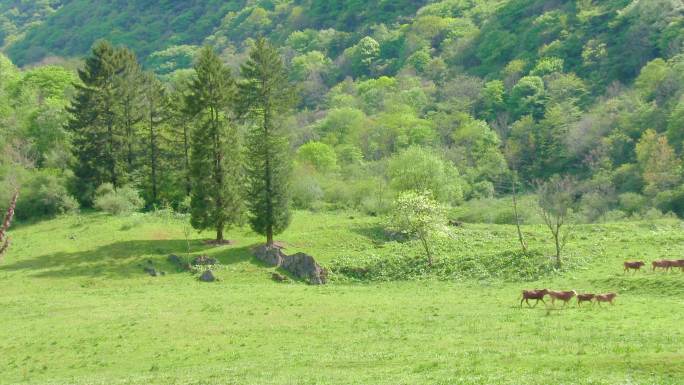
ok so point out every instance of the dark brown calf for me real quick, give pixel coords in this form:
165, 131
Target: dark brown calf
584, 298
537, 294
564, 296
663, 264
607, 297
636, 266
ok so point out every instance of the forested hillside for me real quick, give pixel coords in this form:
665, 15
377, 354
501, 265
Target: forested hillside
464, 98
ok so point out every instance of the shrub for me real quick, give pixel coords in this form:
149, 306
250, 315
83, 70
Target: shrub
632, 203
483, 189
44, 195
306, 192
653, 214
499, 211
614, 216
121, 201
671, 201
318, 155
418, 215
419, 169
511, 266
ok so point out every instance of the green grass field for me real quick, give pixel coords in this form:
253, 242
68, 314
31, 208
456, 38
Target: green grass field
76, 308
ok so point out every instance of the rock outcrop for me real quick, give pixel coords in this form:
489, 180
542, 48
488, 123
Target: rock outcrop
272, 256
304, 266
300, 265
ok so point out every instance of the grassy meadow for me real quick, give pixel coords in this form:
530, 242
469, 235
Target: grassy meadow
77, 308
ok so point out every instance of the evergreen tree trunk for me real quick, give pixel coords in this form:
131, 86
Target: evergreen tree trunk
268, 183
153, 158
218, 175
186, 158
219, 232
110, 153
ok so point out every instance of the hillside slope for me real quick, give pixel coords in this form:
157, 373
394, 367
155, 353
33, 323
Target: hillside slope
603, 41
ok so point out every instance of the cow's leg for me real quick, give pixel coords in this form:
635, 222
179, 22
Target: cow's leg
521, 301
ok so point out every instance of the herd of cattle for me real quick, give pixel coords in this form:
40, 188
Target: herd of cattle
566, 296
665, 264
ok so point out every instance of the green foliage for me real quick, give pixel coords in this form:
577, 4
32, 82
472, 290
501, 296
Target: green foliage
556, 199
491, 85
44, 195
215, 163
418, 169
418, 215
305, 189
145, 27
266, 97
103, 116
123, 200
659, 164
497, 211
511, 266
318, 155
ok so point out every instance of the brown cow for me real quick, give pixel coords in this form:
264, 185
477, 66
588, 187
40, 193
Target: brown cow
636, 266
663, 264
679, 263
584, 298
564, 296
607, 297
537, 294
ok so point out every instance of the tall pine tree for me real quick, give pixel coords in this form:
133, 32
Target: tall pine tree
128, 88
156, 114
215, 165
266, 97
96, 138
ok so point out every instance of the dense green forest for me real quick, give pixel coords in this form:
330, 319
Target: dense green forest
464, 98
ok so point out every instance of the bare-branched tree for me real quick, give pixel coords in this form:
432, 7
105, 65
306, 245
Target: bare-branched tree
4, 236
555, 198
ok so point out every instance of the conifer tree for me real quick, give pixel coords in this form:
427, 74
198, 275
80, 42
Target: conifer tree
96, 138
156, 113
216, 170
266, 97
180, 126
129, 92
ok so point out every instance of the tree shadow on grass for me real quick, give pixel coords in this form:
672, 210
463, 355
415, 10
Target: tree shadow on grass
124, 259
374, 233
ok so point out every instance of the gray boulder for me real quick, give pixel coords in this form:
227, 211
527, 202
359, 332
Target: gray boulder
207, 276
304, 266
272, 256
